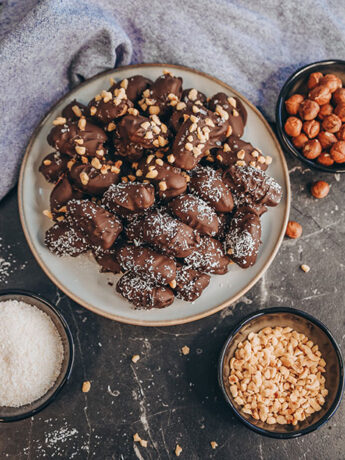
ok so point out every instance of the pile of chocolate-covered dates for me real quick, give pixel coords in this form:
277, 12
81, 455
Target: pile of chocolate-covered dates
317, 121
156, 182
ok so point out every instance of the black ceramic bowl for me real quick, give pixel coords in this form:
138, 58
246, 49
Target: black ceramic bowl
11, 414
320, 335
297, 83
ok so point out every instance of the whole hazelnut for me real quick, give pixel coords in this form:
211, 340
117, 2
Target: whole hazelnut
332, 123
320, 189
338, 152
320, 94
340, 111
292, 104
293, 126
341, 133
312, 149
326, 139
325, 110
293, 229
308, 109
314, 79
299, 141
325, 159
311, 128
332, 81
339, 96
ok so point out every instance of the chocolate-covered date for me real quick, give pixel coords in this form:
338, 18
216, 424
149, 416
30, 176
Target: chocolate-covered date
196, 213
209, 185
190, 283
243, 238
109, 105
147, 262
165, 233
62, 239
53, 166
208, 257
62, 193
107, 260
192, 102
134, 86
232, 110
143, 293
99, 227
129, 198
93, 181
77, 138
74, 110
162, 96
168, 180
239, 152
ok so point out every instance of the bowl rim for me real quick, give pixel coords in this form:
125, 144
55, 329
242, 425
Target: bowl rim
67, 375
331, 411
283, 138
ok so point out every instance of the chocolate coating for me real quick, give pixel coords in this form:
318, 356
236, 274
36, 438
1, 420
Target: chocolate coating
208, 257
97, 182
243, 238
143, 293
146, 132
209, 186
135, 86
63, 137
196, 213
235, 150
99, 227
168, 180
237, 114
190, 283
190, 97
53, 166
158, 94
129, 198
164, 233
145, 261
62, 193
63, 240
70, 114
110, 105
248, 181
107, 260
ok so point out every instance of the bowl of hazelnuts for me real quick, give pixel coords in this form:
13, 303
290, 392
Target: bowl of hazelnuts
310, 115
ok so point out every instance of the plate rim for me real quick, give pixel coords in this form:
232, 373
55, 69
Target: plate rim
141, 322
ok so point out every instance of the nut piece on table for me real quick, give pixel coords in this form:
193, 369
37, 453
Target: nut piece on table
293, 126
86, 386
178, 450
314, 79
308, 109
293, 229
312, 149
320, 189
292, 104
338, 152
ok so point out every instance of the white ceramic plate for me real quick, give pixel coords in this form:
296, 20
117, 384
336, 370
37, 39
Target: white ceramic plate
79, 277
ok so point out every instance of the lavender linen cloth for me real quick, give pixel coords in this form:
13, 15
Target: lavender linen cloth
48, 46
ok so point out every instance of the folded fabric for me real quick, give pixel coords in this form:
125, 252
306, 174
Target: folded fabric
48, 46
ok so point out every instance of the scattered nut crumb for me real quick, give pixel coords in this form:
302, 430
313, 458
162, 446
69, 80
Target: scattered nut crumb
143, 443
305, 268
185, 350
136, 437
214, 445
135, 358
86, 386
178, 450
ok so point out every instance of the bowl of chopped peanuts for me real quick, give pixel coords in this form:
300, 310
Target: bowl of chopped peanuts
281, 371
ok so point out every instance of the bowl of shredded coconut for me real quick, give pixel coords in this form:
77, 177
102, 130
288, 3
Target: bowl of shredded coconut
36, 354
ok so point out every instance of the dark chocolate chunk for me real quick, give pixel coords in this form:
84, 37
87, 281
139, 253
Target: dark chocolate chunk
74, 110
168, 180
100, 227
243, 238
62, 239
143, 293
209, 185
91, 180
165, 233
196, 213
134, 86
129, 198
62, 193
77, 137
260, 187
190, 283
237, 151
208, 257
236, 113
53, 166
151, 264
107, 259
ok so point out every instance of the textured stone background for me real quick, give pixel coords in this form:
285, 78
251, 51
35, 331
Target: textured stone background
166, 397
